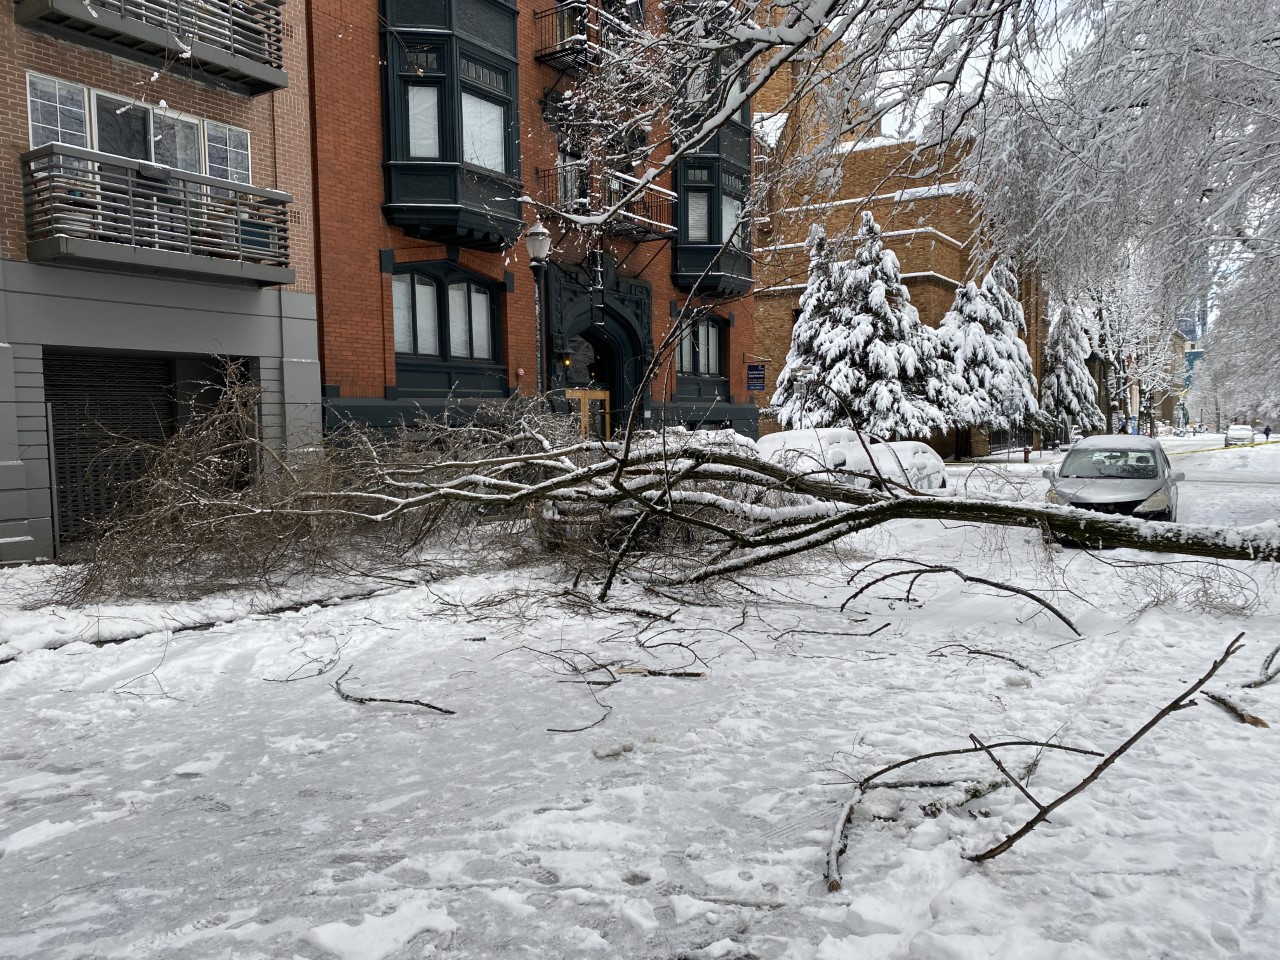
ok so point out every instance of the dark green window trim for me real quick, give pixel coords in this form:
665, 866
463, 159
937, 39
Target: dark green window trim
440, 278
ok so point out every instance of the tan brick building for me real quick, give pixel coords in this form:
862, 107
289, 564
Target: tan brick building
432, 121
154, 210
923, 204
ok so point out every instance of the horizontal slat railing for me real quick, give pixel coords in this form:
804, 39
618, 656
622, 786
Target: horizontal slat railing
243, 28
72, 192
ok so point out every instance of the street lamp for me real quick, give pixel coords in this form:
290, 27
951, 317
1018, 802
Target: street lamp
537, 241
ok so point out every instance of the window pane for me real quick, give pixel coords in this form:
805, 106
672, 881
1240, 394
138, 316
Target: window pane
699, 216
711, 357
684, 363
424, 300
730, 214
124, 128
481, 341
459, 321
424, 121
177, 143
402, 309
227, 152
57, 112
484, 133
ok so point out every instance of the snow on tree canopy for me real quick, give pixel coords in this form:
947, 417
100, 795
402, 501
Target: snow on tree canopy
1068, 391
860, 357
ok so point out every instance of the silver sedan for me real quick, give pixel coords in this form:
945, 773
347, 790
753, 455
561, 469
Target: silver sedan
1117, 474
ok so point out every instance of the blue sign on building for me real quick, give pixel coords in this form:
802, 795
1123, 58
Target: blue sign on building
755, 377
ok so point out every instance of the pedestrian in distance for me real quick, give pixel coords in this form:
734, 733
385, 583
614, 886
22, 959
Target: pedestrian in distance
1266, 433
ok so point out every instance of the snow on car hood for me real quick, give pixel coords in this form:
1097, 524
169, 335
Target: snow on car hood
1106, 490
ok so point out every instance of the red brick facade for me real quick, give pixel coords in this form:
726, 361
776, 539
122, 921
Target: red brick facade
357, 345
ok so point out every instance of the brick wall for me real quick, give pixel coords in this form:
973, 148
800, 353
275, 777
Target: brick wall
357, 345
278, 122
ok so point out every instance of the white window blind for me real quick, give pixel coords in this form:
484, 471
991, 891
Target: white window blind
484, 125
424, 314
402, 309
699, 216
424, 121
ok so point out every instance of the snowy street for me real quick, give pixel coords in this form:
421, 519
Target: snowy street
166, 797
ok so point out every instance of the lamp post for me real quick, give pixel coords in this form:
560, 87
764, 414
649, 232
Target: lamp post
537, 241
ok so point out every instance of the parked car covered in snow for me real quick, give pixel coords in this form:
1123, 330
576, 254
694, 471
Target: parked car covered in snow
856, 458
1117, 474
1239, 434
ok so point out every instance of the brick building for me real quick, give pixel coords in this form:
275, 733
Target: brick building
155, 210
925, 208
431, 122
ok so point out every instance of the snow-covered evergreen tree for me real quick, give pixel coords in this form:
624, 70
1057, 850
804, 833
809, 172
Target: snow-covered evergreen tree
965, 340
1012, 389
1068, 390
859, 355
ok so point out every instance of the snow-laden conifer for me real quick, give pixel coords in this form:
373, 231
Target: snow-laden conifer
1012, 389
859, 355
965, 340
1068, 391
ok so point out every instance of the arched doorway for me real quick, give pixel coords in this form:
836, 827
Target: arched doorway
602, 372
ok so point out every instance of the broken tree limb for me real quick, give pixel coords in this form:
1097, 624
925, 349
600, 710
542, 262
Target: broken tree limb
1005, 772
352, 698
920, 568
1265, 673
837, 844
1236, 711
1179, 702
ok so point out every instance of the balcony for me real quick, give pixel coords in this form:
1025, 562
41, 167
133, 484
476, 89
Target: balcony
235, 44
575, 189
570, 36
90, 209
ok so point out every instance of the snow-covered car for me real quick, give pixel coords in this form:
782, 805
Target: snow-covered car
1117, 474
1238, 434
843, 455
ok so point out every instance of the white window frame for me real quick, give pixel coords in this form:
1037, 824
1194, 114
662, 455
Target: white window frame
84, 102
91, 95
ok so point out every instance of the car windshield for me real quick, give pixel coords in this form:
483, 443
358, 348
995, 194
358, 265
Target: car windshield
1111, 464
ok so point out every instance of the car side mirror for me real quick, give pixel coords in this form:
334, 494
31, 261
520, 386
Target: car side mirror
1178, 477
1048, 473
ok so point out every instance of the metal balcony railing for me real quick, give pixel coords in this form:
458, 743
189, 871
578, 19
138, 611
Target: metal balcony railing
177, 219
574, 188
243, 28
237, 43
571, 35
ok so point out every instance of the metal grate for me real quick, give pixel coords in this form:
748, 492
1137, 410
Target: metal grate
97, 405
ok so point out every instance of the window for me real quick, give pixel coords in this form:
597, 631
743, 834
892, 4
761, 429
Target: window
424, 121
441, 319
140, 131
730, 219
414, 305
484, 133
176, 142
699, 213
227, 150
700, 351
470, 322
57, 112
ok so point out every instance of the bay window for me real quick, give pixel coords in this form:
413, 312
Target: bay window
700, 352
443, 317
